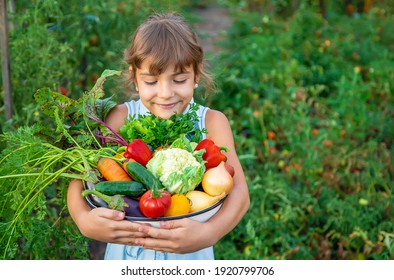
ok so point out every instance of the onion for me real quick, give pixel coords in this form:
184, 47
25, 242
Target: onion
200, 200
217, 180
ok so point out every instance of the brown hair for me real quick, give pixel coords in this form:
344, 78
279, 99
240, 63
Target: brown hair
166, 39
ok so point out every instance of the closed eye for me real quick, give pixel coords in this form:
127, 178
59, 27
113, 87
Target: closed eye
150, 83
180, 81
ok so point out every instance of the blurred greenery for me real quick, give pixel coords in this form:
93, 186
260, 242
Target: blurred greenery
309, 93
311, 102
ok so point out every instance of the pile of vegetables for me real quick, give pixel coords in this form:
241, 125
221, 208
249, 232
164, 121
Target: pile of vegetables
179, 172
167, 181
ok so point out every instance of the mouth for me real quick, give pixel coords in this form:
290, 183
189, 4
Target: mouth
167, 106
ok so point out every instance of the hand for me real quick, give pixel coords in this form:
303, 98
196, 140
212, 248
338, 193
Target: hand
109, 226
101, 223
177, 236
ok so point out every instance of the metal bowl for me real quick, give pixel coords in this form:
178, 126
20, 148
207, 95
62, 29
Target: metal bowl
200, 216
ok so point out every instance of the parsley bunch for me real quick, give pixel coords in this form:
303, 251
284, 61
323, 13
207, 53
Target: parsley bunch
158, 132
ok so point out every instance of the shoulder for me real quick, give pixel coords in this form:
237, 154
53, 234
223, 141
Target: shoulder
116, 117
214, 117
217, 124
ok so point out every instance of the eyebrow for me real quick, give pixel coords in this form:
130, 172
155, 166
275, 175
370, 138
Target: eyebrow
175, 74
146, 74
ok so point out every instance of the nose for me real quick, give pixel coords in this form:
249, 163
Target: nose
165, 90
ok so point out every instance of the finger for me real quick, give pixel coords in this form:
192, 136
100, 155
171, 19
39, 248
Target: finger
167, 230
155, 244
127, 235
126, 241
173, 224
167, 224
127, 228
164, 228
110, 214
156, 233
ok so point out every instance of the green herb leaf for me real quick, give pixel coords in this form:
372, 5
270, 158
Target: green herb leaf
80, 122
157, 132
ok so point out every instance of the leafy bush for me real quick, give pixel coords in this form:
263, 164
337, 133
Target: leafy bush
66, 45
311, 98
310, 104
62, 46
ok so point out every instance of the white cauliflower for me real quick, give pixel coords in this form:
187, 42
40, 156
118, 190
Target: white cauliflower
177, 169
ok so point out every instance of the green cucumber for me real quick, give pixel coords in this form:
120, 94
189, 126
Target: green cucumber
139, 173
129, 188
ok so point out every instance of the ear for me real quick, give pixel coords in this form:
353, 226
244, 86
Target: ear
196, 79
197, 76
131, 75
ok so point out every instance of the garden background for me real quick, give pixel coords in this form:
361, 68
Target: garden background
307, 85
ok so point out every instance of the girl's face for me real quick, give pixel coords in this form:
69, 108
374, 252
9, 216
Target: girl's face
165, 94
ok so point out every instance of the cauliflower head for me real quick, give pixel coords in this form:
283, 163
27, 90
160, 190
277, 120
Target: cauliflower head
178, 170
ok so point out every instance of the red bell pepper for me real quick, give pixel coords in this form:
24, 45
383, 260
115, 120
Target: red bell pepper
213, 153
138, 151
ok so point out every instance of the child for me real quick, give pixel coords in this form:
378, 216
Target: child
165, 65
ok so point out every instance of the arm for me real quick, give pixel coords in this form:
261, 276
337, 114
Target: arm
237, 202
185, 235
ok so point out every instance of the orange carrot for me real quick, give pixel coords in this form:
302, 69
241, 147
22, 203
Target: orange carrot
125, 162
111, 170
123, 159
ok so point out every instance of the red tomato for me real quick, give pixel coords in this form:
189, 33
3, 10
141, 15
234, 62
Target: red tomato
153, 207
230, 169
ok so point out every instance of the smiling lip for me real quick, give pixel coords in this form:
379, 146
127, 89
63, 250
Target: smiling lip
167, 106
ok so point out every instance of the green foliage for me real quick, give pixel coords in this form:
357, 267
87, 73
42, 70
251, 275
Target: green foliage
34, 162
29, 217
62, 46
66, 45
311, 103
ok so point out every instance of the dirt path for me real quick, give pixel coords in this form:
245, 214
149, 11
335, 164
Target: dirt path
213, 25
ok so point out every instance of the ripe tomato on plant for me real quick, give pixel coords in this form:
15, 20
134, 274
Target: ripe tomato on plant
271, 135
154, 203
63, 90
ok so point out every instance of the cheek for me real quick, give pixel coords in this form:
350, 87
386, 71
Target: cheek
146, 92
186, 90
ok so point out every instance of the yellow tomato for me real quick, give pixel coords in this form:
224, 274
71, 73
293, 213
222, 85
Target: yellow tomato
180, 205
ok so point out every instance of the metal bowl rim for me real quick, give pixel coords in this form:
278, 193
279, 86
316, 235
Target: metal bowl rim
146, 219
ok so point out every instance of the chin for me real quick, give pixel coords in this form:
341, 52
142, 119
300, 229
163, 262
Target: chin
165, 115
